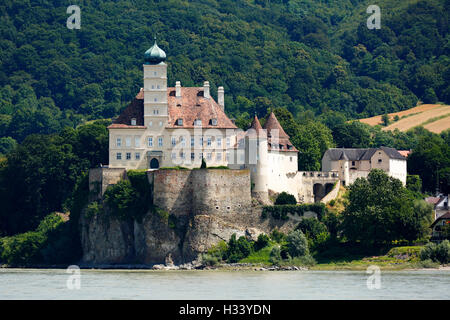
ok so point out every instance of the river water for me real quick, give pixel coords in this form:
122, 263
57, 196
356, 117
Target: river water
125, 284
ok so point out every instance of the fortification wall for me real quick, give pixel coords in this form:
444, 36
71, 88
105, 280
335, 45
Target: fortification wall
101, 178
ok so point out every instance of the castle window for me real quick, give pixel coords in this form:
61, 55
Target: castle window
209, 156
118, 142
150, 123
154, 73
192, 141
160, 123
150, 141
137, 156
197, 122
174, 141
219, 141
180, 122
118, 156
137, 142
155, 111
128, 155
214, 122
192, 156
173, 156
227, 156
200, 155
155, 99
290, 158
182, 155
228, 207
183, 141
133, 121
157, 87
208, 142
160, 141
380, 161
228, 141
128, 141
353, 163
201, 141
153, 86
179, 105
217, 207
219, 156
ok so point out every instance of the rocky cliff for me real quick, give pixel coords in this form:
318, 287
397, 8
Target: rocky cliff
196, 209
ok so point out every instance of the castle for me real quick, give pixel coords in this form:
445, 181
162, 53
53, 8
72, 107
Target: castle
165, 127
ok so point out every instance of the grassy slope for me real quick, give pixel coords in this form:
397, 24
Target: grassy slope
433, 117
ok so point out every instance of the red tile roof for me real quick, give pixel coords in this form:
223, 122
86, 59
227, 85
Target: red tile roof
433, 200
192, 105
189, 107
404, 153
283, 141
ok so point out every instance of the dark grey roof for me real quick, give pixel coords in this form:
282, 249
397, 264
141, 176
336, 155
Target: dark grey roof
360, 154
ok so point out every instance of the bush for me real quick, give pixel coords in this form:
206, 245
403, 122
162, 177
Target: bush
297, 244
238, 249
275, 255
285, 198
40, 246
436, 252
219, 250
307, 261
277, 236
262, 242
209, 260
282, 211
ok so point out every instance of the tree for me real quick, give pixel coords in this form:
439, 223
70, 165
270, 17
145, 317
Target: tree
297, 244
380, 210
285, 198
385, 119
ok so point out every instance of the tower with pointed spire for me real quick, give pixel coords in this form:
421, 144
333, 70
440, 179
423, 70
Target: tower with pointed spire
155, 88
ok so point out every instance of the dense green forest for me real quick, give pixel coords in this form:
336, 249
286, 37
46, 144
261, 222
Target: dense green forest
313, 62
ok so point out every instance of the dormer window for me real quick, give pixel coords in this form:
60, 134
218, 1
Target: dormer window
214, 122
197, 122
179, 122
133, 121
179, 105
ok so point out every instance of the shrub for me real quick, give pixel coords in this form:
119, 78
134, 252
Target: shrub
285, 198
39, 246
307, 260
238, 249
297, 244
332, 202
277, 236
315, 231
219, 250
282, 211
275, 255
209, 260
436, 252
262, 242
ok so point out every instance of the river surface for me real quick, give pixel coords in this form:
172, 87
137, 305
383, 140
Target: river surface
133, 284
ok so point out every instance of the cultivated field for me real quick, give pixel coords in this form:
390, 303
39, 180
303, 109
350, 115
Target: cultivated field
434, 117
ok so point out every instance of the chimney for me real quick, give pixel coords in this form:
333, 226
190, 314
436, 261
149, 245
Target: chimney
206, 90
178, 89
220, 97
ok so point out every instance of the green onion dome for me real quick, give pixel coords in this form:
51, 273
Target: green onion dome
154, 55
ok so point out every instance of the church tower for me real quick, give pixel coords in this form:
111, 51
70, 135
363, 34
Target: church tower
155, 90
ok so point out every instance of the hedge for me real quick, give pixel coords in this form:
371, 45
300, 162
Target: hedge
282, 211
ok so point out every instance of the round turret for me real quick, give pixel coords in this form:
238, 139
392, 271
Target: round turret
154, 55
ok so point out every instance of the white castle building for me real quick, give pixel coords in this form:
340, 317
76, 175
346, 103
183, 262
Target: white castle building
179, 126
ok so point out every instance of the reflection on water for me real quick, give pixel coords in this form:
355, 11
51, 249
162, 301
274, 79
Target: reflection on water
119, 284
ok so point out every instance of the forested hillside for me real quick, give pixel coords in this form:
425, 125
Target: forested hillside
298, 54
